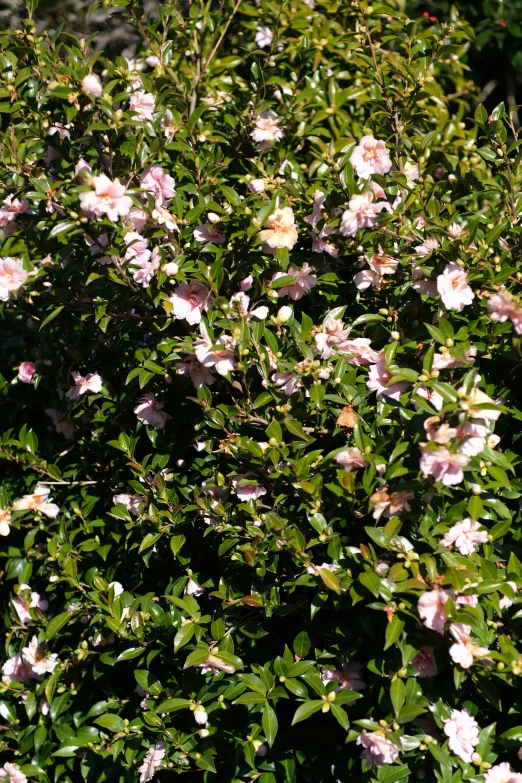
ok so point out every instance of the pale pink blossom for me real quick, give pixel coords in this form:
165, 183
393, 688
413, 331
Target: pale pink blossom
143, 103
431, 609
383, 264
193, 588
25, 600
92, 382
316, 570
501, 773
138, 219
433, 397
152, 60
304, 282
131, 502
359, 352
504, 603
5, 518
91, 85
215, 665
155, 180
421, 285
167, 125
152, 760
453, 288
267, 129
319, 243
391, 503
502, 306
60, 129
222, 360
26, 372
464, 651
442, 434
463, 733
349, 676
367, 278
40, 662
263, 37
317, 209
247, 283
412, 172
16, 669
257, 186
427, 248
38, 501
477, 397
455, 231
82, 168
10, 210
472, 439
444, 361
150, 411
351, 459
424, 662
332, 335
61, 424
370, 156
246, 491
443, 465
465, 536
171, 269
109, 197
163, 217
378, 378
241, 303
12, 278
11, 773
199, 374
378, 751
189, 301
280, 230
209, 233
287, 381
137, 247
361, 213
200, 715
143, 270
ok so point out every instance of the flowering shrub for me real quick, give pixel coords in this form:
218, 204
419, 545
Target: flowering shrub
260, 366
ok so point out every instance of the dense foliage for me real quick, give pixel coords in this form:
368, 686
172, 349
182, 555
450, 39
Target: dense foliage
260, 359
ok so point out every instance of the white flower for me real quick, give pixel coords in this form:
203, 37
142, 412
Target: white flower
501, 773
12, 773
453, 288
361, 213
264, 37
152, 760
38, 501
257, 186
40, 662
463, 732
465, 536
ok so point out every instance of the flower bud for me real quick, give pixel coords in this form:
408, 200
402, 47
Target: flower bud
203, 733
170, 269
284, 314
200, 715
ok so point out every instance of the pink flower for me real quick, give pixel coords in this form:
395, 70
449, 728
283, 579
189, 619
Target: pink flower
209, 233
267, 128
431, 609
477, 397
443, 361
424, 662
264, 36
246, 491
319, 243
143, 103
361, 213
379, 376
5, 518
26, 372
40, 662
150, 411
378, 750
28, 599
465, 536
422, 286
370, 157
463, 733
501, 773
241, 302
351, 459
137, 247
383, 264
193, 588
348, 677
287, 381
82, 168
13, 772
91, 85
359, 352
38, 501
61, 424
443, 465
332, 335
390, 503
257, 186
199, 374
131, 502
304, 282
189, 300
502, 306
367, 278
10, 210
427, 247
92, 382
138, 219
144, 270
453, 288
16, 669
465, 650
108, 198
12, 278
222, 360
431, 396
151, 761
155, 180
280, 230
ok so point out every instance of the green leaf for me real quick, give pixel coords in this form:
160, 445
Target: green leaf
305, 710
393, 631
111, 722
184, 635
132, 652
397, 695
56, 624
172, 705
340, 715
302, 644
270, 724
52, 316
